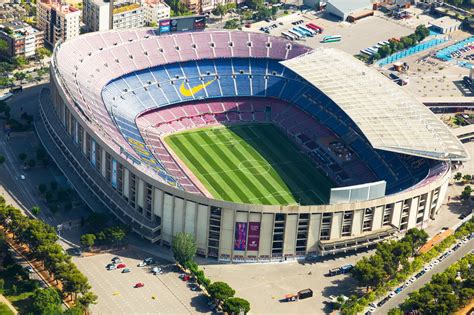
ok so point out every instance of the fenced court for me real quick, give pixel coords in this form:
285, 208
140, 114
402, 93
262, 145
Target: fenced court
251, 163
412, 50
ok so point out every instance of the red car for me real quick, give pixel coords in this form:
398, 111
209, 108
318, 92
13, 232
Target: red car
139, 285
121, 266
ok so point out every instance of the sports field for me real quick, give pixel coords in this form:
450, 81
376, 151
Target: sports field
251, 163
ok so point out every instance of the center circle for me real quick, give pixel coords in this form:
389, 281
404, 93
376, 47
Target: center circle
254, 167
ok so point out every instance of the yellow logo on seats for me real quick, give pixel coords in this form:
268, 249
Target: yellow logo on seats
190, 92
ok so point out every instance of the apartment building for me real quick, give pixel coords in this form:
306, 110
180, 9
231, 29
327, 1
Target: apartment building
59, 22
155, 10
96, 15
125, 15
22, 39
128, 15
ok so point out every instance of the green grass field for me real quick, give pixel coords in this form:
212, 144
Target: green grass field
251, 163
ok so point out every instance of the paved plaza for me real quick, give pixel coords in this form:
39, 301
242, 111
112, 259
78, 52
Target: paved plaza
162, 294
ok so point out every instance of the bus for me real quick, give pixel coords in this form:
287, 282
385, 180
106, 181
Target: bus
305, 31
295, 34
330, 39
367, 52
312, 32
372, 50
288, 36
340, 270
300, 32
318, 29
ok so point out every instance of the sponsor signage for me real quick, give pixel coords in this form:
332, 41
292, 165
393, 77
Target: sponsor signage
240, 240
254, 236
182, 24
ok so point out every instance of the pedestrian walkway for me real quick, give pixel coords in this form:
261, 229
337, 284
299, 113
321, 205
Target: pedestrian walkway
5, 301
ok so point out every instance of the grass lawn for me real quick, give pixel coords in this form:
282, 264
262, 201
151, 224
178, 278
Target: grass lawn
4, 310
251, 163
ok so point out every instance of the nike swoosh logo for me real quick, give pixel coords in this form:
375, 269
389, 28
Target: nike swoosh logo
190, 92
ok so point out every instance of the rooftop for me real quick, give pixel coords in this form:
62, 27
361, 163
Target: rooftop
19, 28
389, 118
350, 6
445, 21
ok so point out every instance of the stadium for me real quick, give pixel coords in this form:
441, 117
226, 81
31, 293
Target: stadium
261, 148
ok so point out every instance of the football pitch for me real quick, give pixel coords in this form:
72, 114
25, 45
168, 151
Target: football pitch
251, 163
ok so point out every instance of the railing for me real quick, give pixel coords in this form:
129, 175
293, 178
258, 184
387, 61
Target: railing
75, 161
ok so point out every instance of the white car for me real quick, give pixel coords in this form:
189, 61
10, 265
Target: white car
372, 309
412, 279
427, 268
392, 294
435, 262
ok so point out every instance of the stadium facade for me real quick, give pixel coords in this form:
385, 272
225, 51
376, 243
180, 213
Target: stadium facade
113, 95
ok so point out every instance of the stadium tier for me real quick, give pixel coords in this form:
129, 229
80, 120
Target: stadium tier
222, 135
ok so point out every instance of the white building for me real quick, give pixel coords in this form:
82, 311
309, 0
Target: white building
155, 10
445, 25
343, 8
96, 15
128, 14
58, 21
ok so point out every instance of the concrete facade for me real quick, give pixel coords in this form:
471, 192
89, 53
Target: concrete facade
157, 211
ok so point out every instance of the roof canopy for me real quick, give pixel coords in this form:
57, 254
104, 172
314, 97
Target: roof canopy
389, 118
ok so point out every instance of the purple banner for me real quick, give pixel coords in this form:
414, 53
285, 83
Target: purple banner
254, 236
240, 235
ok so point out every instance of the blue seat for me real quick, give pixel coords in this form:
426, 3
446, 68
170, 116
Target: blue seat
206, 66
241, 64
223, 66
243, 85
258, 66
190, 69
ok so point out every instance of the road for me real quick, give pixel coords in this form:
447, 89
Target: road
451, 259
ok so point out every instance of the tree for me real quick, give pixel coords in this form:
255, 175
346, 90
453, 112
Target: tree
395, 311
20, 61
46, 301
384, 51
31, 163
88, 240
53, 185
466, 193
466, 178
4, 47
416, 238
36, 210
87, 299
231, 24
96, 221
458, 176
42, 188
114, 234
235, 305
220, 291
184, 247
254, 4
407, 41
22, 156
369, 272
43, 52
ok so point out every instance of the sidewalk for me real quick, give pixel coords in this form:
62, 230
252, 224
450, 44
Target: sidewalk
7, 303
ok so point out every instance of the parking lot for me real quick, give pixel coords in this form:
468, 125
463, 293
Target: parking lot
265, 285
355, 36
164, 293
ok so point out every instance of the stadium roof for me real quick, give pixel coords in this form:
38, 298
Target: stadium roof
389, 118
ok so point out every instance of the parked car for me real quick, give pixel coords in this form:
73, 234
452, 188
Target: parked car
382, 302
111, 267
393, 293
29, 269
119, 266
116, 260
139, 285
126, 270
